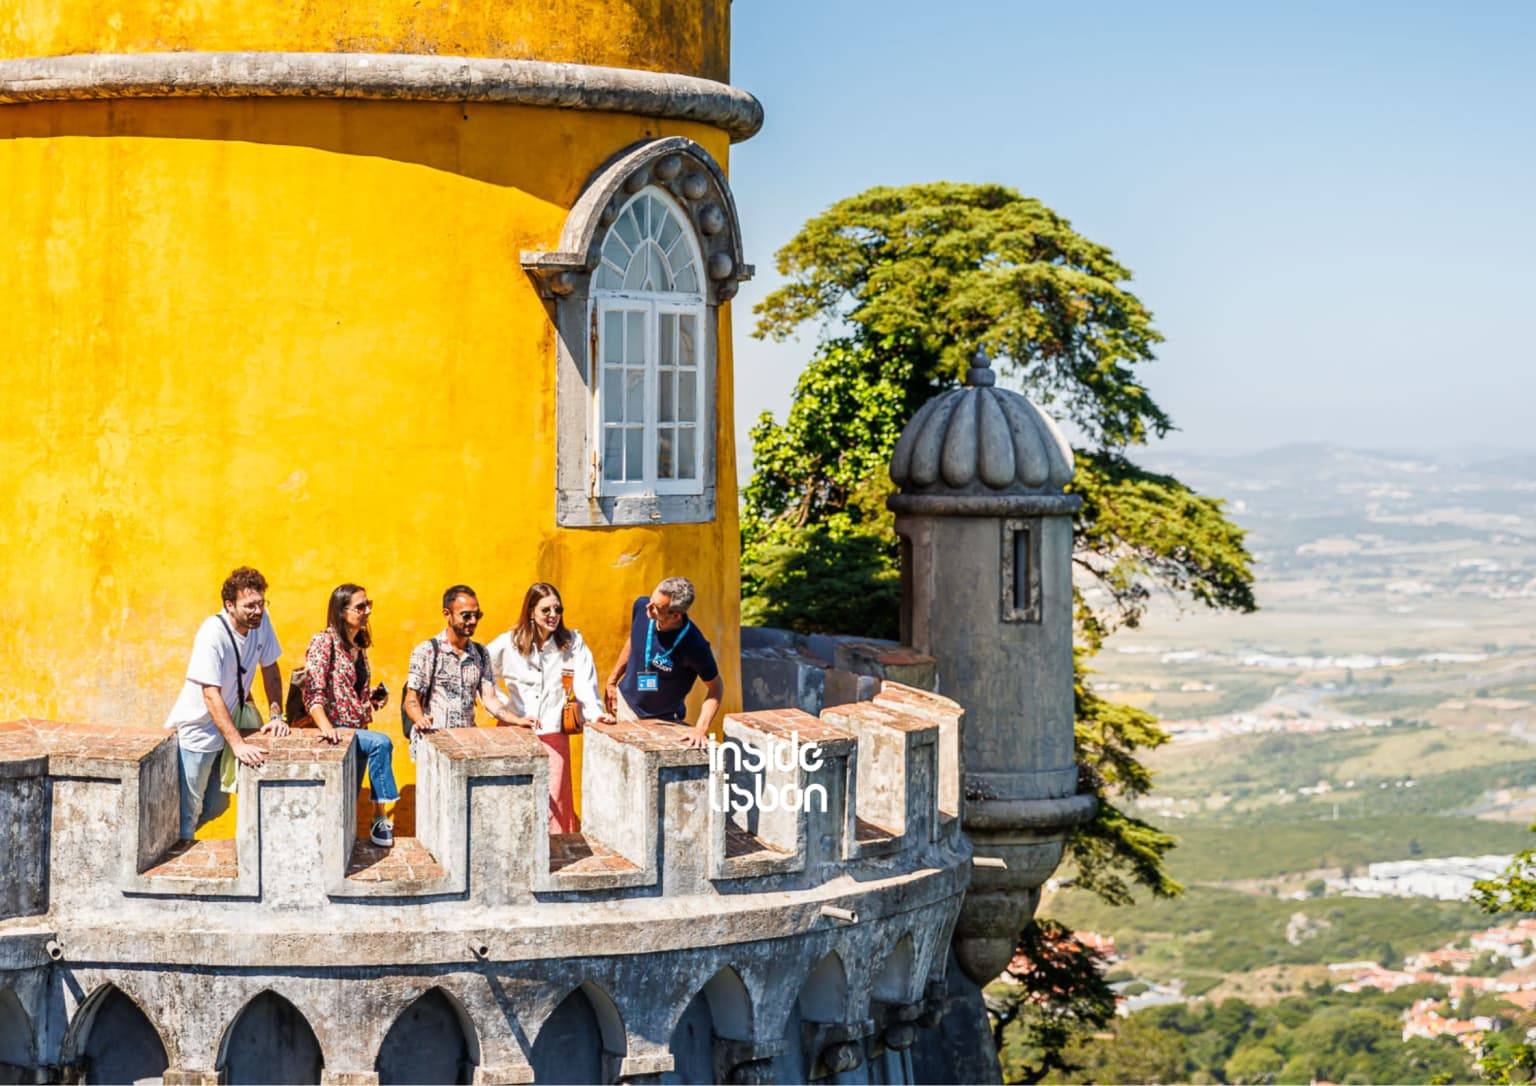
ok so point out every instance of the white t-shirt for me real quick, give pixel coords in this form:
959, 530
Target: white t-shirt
213, 661
533, 685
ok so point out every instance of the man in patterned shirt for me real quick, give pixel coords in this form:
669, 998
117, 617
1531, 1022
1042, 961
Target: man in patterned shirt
451, 670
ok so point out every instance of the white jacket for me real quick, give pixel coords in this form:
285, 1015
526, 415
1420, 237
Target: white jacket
532, 683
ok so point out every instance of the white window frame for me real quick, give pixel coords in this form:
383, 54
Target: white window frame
654, 303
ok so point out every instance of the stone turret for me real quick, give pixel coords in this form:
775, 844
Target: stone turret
986, 544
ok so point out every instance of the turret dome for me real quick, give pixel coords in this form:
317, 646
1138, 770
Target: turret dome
981, 440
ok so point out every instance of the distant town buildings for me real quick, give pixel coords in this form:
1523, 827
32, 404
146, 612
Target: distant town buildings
1447, 878
1424, 1019
1446, 967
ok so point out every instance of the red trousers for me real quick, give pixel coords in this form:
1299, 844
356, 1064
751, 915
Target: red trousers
562, 805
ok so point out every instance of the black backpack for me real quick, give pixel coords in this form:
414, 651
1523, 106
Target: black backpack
426, 700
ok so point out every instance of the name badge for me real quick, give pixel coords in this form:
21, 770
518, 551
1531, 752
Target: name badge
646, 681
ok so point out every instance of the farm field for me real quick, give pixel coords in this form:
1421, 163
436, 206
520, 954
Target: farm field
1381, 706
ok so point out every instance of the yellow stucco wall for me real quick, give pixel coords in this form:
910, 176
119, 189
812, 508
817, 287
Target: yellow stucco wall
295, 334
687, 36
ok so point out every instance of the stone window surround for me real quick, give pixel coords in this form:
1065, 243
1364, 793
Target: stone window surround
1012, 529
658, 306
564, 277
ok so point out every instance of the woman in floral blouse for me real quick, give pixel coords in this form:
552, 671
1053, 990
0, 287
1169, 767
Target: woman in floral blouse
337, 696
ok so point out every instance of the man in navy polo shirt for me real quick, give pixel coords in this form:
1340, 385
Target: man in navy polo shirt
659, 662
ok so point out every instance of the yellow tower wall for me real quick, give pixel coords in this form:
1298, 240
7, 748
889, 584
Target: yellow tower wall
296, 334
689, 37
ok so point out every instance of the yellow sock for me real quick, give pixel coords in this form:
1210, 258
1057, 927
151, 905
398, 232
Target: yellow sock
385, 810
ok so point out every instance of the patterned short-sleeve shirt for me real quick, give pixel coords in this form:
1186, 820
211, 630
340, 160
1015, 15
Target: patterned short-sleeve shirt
456, 684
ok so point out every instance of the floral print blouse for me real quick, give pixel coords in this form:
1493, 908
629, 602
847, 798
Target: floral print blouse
332, 678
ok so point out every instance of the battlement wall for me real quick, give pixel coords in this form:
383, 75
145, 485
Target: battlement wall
833, 917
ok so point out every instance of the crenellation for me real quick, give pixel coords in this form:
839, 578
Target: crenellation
897, 763
198, 935
805, 837
945, 714
294, 846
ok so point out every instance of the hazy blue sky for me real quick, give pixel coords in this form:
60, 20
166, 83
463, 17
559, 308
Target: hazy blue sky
1327, 207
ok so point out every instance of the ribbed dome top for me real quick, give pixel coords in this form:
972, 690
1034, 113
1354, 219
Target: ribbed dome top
980, 439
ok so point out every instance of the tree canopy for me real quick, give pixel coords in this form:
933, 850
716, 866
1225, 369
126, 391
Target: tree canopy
938, 271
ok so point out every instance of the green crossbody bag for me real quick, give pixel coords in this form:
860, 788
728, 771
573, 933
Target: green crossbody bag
246, 716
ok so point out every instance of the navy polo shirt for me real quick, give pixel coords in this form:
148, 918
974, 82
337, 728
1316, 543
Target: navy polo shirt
691, 659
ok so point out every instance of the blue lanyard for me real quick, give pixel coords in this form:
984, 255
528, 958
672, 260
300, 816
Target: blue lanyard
665, 657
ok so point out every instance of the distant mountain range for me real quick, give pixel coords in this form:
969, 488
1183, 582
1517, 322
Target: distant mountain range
1290, 495
1320, 458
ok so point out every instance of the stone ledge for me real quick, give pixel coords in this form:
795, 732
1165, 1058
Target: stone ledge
210, 859
655, 824
515, 932
788, 724
406, 868
78, 750
386, 76
462, 744
1053, 815
665, 738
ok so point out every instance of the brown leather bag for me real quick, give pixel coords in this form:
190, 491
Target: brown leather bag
570, 713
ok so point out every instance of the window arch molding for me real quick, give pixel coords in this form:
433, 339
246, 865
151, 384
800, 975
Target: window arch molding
680, 176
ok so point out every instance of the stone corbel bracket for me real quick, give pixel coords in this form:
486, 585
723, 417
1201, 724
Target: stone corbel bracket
834, 1048
684, 169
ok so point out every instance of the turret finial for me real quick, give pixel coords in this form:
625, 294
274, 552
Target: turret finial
980, 374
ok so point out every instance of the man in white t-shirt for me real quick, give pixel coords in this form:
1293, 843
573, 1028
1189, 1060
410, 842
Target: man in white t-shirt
230, 647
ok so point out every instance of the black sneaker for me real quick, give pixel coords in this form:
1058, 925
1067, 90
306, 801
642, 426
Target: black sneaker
383, 833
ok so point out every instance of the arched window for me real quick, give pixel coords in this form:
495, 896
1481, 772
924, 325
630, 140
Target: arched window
15, 1039
649, 309
431, 1041
112, 1040
648, 254
270, 1041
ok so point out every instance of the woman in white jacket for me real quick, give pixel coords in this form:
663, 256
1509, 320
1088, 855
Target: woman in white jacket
528, 661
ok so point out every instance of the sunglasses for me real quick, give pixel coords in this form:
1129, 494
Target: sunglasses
362, 608
469, 616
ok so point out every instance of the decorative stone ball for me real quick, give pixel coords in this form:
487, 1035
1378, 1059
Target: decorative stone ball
636, 181
668, 167
711, 219
900, 1036
694, 186
843, 1056
720, 266
609, 213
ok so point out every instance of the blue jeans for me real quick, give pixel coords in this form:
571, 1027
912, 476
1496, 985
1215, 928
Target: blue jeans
201, 797
376, 751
